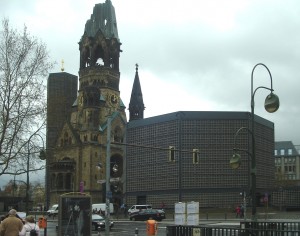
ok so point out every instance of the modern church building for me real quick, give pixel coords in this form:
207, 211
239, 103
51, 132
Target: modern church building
199, 169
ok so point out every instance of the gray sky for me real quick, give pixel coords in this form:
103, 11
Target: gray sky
192, 54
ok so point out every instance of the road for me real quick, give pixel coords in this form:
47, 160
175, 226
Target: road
121, 228
125, 227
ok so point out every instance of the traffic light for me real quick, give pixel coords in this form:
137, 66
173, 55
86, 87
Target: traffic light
171, 156
195, 156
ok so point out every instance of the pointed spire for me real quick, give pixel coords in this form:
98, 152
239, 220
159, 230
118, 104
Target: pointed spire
136, 105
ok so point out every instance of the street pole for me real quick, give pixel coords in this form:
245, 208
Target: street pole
271, 105
180, 115
27, 179
108, 193
28, 169
245, 206
253, 159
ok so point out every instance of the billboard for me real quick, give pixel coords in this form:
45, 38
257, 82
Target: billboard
74, 215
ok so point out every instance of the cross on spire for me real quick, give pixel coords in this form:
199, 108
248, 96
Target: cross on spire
62, 65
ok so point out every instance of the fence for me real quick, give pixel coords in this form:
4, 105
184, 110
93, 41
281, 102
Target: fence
246, 228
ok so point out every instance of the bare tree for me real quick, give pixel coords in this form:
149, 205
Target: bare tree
24, 67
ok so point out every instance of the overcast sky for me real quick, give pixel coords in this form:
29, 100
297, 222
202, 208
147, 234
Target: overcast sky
193, 55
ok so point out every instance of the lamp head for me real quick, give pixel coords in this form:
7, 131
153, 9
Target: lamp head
115, 168
99, 166
235, 161
272, 103
42, 155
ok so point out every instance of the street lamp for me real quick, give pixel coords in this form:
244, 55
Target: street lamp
107, 174
235, 161
42, 157
271, 105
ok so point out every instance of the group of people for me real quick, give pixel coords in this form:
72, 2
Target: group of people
12, 225
239, 210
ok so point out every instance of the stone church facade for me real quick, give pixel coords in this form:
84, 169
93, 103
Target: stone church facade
77, 132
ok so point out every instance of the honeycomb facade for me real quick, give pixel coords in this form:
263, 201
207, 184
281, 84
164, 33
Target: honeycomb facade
151, 178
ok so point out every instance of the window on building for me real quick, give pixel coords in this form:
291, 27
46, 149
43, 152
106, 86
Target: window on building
68, 181
289, 151
282, 152
275, 152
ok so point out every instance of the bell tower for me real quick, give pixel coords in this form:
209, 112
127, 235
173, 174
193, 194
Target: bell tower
98, 99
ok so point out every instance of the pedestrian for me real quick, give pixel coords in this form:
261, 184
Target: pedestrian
29, 225
101, 212
237, 211
242, 211
11, 226
163, 205
125, 210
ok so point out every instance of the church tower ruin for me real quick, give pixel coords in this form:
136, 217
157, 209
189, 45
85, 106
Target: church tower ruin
81, 144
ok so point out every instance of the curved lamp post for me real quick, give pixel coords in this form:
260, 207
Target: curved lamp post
271, 105
235, 161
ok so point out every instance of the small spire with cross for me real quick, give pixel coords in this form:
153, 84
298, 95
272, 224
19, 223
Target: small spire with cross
136, 67
62, 65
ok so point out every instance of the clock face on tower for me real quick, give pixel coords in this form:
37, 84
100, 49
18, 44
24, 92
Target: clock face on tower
113, 99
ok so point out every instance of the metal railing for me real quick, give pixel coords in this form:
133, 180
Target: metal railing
246, 228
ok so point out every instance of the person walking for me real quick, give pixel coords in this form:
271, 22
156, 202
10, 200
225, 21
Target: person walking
125, 210
238, 212
28, 226
11, 226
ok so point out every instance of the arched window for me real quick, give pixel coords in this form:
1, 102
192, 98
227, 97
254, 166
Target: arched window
118, 135
60, 181
68, 182
53, 181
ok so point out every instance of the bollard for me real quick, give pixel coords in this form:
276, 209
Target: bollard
151, 227
136, 232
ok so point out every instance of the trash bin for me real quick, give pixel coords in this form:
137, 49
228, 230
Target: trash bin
151, 227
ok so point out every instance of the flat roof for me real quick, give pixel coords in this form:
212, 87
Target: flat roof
198, 115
